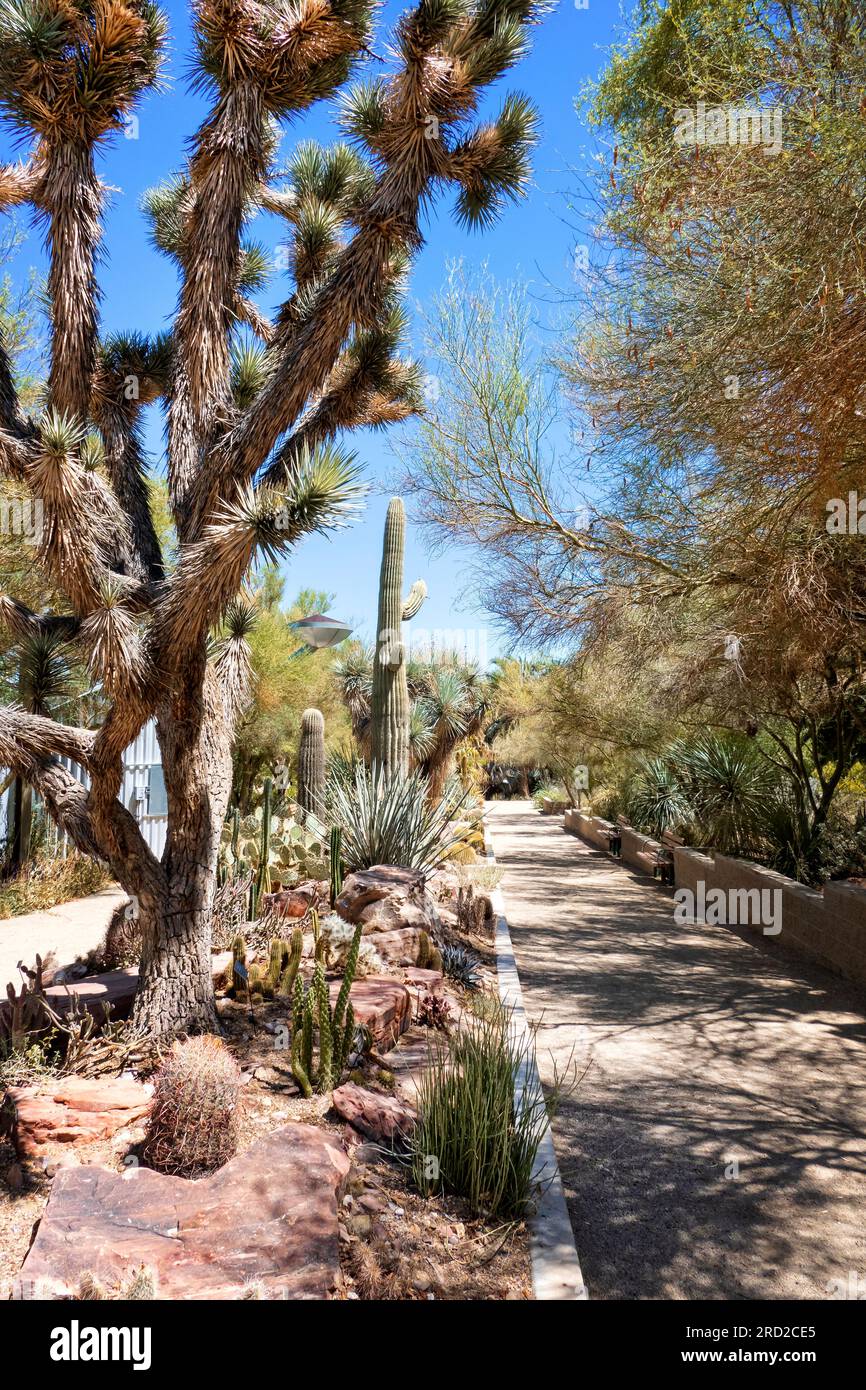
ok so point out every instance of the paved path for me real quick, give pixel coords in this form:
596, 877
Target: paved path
705, 1047
69, 930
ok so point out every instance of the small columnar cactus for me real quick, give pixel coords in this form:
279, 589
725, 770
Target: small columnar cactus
238, 977
311, 762
390, 702
291, 962
312, 1014
193, 1125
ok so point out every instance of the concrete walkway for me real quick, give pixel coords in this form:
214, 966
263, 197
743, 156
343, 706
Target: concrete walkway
716, 1147
69, 930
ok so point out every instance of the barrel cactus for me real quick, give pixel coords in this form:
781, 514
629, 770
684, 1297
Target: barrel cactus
311, 762
390, 702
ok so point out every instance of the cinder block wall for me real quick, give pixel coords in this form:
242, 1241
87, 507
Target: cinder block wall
827, 927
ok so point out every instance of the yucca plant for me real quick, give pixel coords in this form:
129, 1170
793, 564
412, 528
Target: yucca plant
732, 788
387, 818
253, 403
447, 706
657, 798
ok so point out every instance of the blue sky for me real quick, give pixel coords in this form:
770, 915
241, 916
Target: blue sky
534, 240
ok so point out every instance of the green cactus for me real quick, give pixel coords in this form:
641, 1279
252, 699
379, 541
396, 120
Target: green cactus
434, 960
423, 951
326, 1038
311, 762
390, 702
335, 872
277, 956
299, 1017
291, 963
335, 1027
238, 983
258, 983
320, 942
263, 879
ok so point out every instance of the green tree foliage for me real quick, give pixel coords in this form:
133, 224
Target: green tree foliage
285, 682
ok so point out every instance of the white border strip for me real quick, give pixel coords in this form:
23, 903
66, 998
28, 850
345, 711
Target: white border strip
556, 1273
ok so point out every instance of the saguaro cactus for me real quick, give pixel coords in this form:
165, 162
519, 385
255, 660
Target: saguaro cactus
311, 762
390, 705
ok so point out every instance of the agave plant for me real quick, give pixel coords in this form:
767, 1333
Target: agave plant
461, 965
389, 819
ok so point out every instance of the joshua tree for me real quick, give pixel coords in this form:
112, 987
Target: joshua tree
252, 461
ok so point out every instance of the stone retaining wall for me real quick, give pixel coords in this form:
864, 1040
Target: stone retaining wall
827, 927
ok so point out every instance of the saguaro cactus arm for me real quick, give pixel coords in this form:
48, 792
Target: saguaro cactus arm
414, 599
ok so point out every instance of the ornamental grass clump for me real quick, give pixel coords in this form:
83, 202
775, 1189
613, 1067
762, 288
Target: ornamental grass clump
477, 1136
193, 1126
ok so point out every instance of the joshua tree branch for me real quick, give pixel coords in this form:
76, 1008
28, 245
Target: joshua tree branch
27, 738
71, 198
69, 803
125, 465
23, 622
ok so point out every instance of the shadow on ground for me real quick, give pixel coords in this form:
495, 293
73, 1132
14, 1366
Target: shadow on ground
716, 1147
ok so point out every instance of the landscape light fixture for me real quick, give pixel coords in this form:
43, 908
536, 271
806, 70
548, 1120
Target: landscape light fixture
319, 631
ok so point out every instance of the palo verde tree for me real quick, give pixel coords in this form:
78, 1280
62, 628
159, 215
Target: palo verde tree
253, 460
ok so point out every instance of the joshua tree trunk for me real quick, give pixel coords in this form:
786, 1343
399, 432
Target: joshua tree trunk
252, 464
176, 989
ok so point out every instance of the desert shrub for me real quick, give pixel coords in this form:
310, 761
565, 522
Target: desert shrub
231, 909
27, 1066
483, 876
555, 791
193, 1125
836, 849
140, 1285
607, 802
49, 882
121, 944
434, 1012
386, 818
483, 1139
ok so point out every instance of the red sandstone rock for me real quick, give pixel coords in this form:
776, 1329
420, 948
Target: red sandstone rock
381, 1117
74, 1110
296, 902
420, 982
398, 947
381, 1004
270, 1215
387, 898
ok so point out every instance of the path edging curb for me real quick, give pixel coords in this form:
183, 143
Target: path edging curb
556, 1272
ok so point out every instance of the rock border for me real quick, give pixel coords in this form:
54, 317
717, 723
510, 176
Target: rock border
556, 1272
